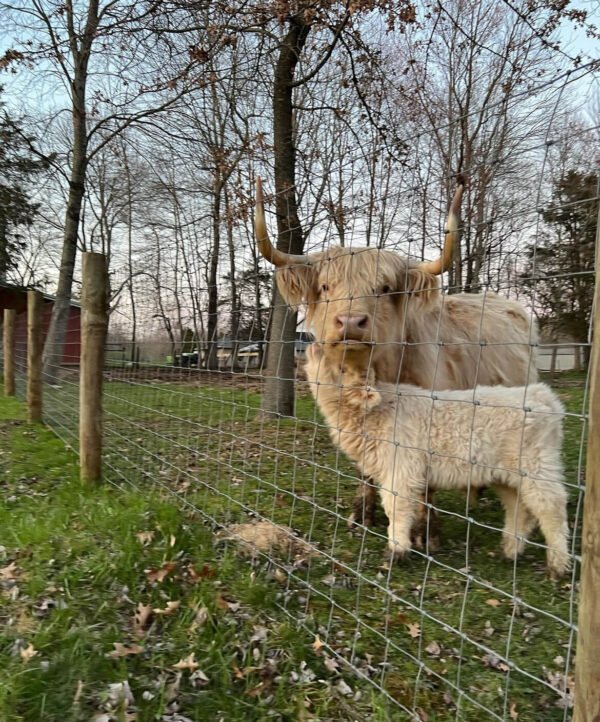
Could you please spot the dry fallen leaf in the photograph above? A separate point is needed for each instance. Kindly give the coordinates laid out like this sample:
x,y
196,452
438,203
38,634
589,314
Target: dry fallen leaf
x,y
331,665
122,650
206,572
493,602
513,711
199,679
120,695
187,663
9,572
27,653
145,537
159,575
280,576
260,633
488,629
495,662
199,619
414,630
434,649
223,603
564,686
172,689
169,609
344,688
141,619
317,644
267,675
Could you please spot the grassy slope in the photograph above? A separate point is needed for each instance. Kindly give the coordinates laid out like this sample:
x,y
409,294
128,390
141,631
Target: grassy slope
x,y
81,574
222,461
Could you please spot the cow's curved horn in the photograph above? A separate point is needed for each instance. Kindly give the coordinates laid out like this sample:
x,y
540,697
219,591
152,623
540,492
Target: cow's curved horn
x,y
444,262
272,254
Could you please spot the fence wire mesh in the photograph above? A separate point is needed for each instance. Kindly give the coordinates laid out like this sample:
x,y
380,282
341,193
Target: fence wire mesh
x,y
455,633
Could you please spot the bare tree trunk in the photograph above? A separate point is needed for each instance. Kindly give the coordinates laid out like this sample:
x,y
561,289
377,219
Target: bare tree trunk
x,y
80,54
132,353
278,394
212,361
53,348
235,300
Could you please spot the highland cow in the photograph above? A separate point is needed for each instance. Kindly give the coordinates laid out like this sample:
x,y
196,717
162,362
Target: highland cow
x,y
377,299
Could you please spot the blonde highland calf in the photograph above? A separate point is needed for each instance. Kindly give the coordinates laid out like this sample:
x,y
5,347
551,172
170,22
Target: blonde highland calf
x,y
407,439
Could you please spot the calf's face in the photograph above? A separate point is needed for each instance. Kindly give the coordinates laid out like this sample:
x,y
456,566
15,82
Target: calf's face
x,y
341,378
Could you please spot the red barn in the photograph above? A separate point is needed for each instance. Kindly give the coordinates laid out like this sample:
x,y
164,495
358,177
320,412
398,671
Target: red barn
x,y
16,297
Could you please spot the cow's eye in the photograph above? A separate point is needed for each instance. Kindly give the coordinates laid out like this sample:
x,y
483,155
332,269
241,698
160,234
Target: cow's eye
x,y
386,289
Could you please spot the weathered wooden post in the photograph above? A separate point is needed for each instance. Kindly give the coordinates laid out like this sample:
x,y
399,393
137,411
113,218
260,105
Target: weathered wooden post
x,y
35,347
587,665
94,324
9,351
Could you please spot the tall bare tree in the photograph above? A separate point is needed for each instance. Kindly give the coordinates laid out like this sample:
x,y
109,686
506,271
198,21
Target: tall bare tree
x,y
327,22
68,40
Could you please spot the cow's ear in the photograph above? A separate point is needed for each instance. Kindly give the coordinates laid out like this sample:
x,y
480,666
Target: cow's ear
x,y
422,286
296,284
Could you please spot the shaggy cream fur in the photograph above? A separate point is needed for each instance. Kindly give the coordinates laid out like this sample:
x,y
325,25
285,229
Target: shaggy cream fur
x,y
416,335
407,438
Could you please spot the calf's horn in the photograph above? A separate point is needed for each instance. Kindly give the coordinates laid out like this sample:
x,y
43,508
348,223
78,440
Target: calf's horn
x,y
444,262
272,254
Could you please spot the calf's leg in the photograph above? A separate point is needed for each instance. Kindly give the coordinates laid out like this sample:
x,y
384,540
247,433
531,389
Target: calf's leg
x,y
399,499
426,527
518,522
548,503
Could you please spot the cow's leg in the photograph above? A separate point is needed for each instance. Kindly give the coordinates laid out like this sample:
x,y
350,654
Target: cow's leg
x,y
426,524
474,494
363,506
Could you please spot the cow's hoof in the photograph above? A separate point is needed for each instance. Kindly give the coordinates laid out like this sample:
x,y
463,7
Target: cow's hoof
x,y
363,513
395,554
426,536
558,564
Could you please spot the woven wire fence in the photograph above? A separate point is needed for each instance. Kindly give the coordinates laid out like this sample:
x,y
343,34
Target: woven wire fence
x,y
453,633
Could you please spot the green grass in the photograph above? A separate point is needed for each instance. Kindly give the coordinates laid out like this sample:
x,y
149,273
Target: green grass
x,y
184,459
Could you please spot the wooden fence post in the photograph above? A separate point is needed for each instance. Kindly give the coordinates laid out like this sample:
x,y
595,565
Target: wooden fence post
x,y
94,324
9,351
587,665
35,347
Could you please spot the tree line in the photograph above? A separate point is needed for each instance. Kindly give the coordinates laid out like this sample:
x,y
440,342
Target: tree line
x,y
138,129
